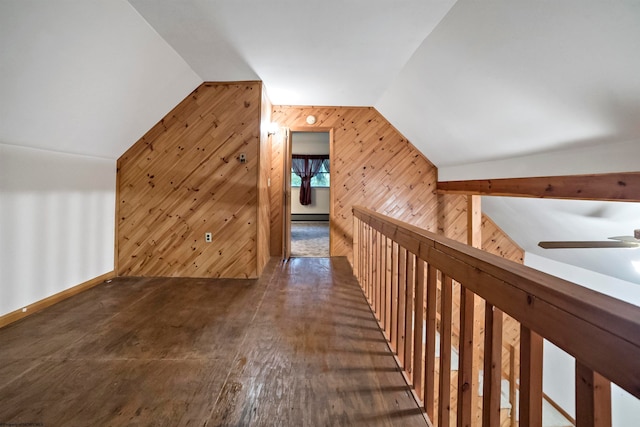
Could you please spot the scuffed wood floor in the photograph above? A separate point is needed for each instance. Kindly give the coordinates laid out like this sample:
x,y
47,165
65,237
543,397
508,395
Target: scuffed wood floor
x,y
299,347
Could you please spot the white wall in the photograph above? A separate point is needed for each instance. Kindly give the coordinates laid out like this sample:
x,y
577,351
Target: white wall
x,y
85,78
57,219
310,143
320,201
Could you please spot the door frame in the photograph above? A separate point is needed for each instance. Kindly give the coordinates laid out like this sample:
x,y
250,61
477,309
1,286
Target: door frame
x,y
286,181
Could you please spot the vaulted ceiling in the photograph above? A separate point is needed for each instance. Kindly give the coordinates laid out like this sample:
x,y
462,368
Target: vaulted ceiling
x,y
484,89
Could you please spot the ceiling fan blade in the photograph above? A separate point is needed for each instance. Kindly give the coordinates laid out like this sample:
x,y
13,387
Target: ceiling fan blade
x,y
625,239
588,244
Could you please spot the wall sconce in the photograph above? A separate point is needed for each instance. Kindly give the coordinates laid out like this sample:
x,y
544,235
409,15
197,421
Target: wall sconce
x,y
272,128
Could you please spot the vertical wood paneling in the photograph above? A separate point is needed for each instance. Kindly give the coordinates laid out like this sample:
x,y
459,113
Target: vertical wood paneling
x,y
184,178
371,165
264,175
374,166
276,193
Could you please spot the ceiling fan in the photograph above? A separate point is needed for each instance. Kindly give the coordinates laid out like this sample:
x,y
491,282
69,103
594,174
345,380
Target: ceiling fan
x,y
613,242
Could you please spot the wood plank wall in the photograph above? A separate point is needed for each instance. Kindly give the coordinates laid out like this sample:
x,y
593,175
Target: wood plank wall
x,y
276,195
184,178
264,174
374,166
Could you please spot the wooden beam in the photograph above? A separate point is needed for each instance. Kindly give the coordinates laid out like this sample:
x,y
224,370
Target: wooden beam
x,y
474,221
624,186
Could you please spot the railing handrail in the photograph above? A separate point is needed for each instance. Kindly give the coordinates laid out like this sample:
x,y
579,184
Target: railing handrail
x,y
600,331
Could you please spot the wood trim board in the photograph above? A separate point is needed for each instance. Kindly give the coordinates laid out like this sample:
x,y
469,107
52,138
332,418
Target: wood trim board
x,y
21,313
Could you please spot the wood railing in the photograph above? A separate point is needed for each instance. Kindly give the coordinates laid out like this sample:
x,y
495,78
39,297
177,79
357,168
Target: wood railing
x,y
409,276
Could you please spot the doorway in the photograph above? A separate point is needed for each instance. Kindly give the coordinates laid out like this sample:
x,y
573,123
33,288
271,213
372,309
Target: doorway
x,y
311,200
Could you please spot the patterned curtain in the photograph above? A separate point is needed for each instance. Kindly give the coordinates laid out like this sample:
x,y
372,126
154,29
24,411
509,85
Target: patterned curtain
x,y
306,167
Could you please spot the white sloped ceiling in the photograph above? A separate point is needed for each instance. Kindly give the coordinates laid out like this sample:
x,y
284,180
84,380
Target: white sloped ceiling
x,y
512,88
485,89
504,79
329,52
84,77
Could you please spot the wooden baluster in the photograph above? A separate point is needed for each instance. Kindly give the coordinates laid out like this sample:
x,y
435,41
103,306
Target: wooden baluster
x,y
371,265
402,300
393,336
531,345
356,248
492,366
388,284
474,238
513,386
374,272
370,258
593,398
418,329
466,391
430,344
408,318
444,399
365,276
363,254
381,275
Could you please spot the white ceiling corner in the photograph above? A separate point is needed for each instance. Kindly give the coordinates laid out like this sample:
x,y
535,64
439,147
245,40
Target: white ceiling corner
x,y
324,53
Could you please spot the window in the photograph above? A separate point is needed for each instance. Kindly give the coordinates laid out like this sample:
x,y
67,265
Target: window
x,y
306,167
321,179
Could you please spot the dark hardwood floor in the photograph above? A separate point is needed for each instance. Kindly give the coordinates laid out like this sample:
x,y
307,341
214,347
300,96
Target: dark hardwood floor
x,y
299,347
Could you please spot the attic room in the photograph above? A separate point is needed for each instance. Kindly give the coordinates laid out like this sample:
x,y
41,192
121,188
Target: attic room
x,y
131,129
